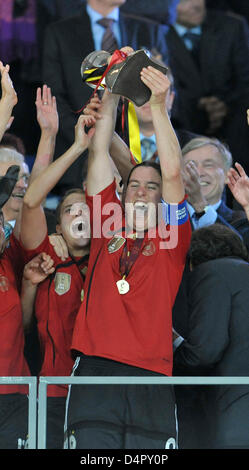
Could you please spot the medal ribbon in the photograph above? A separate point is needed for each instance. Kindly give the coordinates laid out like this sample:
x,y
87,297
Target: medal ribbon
x,y
134,134
128,258
131,132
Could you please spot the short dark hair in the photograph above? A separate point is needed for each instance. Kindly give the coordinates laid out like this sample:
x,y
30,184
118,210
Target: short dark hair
x,y
13,141
65,195
147,164
215,241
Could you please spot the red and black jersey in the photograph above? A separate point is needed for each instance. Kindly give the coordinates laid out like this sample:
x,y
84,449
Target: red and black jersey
x,y
135,328
12,360
57,303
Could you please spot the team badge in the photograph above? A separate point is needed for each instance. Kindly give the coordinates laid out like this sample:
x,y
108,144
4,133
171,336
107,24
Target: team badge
x,y
149,249
62,283
115,244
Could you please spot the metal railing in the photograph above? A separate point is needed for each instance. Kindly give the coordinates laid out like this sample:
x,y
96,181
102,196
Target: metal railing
x,y
32,408
45,381
38,424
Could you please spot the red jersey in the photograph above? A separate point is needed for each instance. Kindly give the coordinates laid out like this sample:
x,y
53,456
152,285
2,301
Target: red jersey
x,y
12,360
57,303
135,328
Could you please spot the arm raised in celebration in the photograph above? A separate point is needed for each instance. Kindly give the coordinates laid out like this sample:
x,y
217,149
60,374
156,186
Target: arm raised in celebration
x,y
34,226
168,147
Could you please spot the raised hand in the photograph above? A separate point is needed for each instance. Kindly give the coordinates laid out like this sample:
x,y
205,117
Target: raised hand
x,y
93,108
8,99
60,246
168,147
158,83
39,268
238,183
8,91
46,110
82,138
192,186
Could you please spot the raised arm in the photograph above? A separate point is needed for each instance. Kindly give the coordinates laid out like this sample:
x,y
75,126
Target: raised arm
x,y
34,227
121,155
47,118
8,99
100,171
119,151
168,147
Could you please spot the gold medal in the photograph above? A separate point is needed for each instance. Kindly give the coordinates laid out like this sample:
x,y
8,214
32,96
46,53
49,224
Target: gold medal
x,y
123,286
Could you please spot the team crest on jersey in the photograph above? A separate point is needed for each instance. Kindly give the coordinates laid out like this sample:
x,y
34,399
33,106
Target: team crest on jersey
x,y
149,249
115,244
62,283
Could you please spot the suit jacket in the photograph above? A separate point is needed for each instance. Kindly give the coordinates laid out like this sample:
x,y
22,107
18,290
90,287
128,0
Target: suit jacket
x,y
223,71
223,68
218,344
236,221
67,43
231,216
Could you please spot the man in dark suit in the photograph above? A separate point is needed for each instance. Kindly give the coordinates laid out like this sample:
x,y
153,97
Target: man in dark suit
x,y
67,43
206,163
217,343
209,58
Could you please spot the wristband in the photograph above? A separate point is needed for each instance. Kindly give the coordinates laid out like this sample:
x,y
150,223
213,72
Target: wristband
x,y
175,214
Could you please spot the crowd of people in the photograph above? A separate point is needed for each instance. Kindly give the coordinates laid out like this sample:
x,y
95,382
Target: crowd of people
x,y
139,267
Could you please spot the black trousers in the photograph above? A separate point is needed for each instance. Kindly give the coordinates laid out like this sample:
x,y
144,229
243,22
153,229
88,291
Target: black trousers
x,y
55,422
119,416
13,421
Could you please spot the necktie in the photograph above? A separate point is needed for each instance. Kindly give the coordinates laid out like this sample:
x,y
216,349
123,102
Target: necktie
x,y
7,230
109,42
195,42
193,38
148,148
